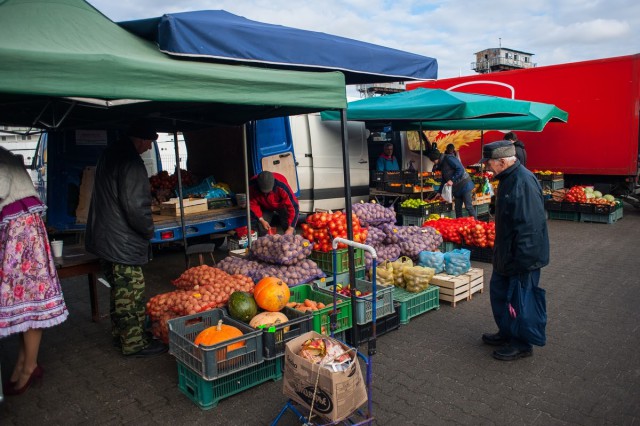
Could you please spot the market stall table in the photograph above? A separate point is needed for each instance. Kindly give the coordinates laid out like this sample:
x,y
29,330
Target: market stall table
x,y
75,261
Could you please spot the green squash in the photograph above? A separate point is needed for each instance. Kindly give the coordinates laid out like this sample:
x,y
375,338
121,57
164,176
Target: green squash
x,y
242,306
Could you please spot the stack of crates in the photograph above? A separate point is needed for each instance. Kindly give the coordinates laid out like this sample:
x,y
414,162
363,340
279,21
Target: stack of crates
x,y
208,374
324,260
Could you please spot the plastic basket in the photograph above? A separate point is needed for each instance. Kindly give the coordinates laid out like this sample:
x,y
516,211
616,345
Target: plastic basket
x,y
585,208
552,177
416,212
568,207
274,338
612,217
413,304
480,254
364,304
212,362
206,394
202,188
413,220
409,177
343,277
553,205
552,184
384,325
325,260
480,209
571,216
321,317
603,208
393,176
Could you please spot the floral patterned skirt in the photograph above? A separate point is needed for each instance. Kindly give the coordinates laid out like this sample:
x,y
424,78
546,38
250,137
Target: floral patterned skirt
x,y
30,292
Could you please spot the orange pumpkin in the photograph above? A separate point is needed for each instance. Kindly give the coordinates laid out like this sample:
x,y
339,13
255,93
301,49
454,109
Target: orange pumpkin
x,y
219,333
271,294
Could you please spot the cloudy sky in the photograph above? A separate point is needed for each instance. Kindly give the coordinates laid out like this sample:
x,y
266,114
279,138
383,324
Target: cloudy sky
x,y
451,31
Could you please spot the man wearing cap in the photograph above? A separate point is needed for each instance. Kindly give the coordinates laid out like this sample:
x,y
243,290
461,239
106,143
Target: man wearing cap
x,y
269,195
521,249
119,227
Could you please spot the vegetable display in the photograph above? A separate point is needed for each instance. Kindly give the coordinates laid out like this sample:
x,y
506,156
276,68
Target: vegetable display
x,y
218,334
163,184
415,239
373,213
281,249
465,230
300,273
271,294
242,306
417,278
322,228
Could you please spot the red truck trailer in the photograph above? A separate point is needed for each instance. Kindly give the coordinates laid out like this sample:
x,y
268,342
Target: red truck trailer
x,y
598,145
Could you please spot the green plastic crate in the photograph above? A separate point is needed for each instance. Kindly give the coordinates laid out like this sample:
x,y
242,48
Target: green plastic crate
x,y
325,260
321,318
413,304
413,220
563,215
214,361
343,277
206,394
364,305
612,217
480,209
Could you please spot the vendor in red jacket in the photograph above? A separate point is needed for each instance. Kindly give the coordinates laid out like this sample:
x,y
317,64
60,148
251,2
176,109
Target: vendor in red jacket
x,y
270,195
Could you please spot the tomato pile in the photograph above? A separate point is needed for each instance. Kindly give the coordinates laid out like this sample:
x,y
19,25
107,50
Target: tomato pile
x,y
163,184
322,228
199,289
576,195
465,230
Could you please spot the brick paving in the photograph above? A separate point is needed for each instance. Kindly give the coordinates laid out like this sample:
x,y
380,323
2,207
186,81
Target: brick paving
x,y
434,370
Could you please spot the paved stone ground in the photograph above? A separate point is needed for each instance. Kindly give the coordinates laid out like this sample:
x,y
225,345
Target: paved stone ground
x,y
434,370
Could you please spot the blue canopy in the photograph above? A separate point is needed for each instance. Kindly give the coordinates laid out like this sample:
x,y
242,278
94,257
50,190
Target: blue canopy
x,y
222,36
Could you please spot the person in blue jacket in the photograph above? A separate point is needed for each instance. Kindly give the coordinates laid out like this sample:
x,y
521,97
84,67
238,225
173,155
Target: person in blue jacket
x,y
454,175
387,162
521,249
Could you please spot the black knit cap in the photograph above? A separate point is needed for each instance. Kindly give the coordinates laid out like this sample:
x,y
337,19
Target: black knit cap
x,y
142,130
434,154
265,181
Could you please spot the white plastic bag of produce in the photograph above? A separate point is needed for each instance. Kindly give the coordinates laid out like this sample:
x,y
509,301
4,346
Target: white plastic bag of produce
x,y
447,193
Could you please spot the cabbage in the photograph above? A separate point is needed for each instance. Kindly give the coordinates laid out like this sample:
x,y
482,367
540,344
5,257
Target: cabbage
x,y
597,194
609,197
590,195
588,189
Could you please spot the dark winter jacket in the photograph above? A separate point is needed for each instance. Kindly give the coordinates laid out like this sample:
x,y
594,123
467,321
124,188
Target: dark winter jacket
x,y
453,170
521,153
522,240
119,225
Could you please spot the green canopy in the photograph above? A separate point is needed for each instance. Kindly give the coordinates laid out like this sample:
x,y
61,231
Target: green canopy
x,y
53,52
539,115
429,104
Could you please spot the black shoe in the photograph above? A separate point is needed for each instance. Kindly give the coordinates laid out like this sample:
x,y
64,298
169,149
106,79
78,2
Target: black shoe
x,y
510,353
494,339
155,348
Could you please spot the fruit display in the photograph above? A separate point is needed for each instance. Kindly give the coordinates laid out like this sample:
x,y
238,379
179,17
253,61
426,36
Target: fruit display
x,y
163,184
576,194
345,290
586,194
322,228
281,249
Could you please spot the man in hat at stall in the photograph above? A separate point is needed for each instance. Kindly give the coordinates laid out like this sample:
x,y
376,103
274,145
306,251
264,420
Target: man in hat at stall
x,y
119,228
271,199
520,250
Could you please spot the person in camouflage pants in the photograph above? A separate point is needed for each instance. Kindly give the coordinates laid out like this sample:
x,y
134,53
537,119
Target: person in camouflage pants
x,y
127,307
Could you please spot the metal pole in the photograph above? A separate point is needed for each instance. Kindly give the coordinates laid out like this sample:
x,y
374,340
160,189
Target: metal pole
x,y
182,224
347,200
245,154
421,183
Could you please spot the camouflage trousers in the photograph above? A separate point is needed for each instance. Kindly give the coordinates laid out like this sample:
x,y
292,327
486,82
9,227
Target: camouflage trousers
x,y
127,307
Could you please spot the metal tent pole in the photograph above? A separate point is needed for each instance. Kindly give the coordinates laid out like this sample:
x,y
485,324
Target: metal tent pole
x,y
245,154
177,170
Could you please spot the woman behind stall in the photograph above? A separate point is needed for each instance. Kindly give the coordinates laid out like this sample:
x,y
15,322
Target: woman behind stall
x,y
30,294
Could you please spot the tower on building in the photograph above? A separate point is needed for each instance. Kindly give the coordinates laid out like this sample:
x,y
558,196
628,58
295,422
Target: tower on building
x,y
501,59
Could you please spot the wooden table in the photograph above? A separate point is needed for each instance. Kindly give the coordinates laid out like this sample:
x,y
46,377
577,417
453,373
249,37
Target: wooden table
x,y
75,261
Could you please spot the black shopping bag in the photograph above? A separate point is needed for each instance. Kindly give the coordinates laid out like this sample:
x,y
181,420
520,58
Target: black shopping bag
x,y
528,312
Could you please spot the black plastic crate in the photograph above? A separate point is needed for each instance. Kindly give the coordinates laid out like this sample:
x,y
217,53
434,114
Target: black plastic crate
x,y
384,325
376,176
480,254
569,207
553,205
394,176
409,177
275,337
585,208
423,210
603,208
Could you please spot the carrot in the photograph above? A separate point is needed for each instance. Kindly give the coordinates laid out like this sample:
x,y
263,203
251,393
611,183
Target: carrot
x,y
321,305
292,304
309,303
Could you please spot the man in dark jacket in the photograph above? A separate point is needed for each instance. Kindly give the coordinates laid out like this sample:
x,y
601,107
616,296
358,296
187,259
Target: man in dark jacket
x,y
521,153
521,247
454,175
119,228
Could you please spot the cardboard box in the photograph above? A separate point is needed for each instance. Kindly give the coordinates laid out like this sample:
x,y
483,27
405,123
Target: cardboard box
x,y
338,394
191,205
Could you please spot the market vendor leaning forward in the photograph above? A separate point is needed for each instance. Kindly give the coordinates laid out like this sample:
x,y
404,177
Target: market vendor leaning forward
x,y
272,202
521,250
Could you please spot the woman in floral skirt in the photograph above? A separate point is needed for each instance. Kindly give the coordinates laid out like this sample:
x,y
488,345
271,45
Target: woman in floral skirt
x,y
30,294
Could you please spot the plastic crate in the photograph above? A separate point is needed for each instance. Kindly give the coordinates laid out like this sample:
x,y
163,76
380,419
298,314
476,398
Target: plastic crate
x,y
552,184
376,176
213,362
568,207
571,216
448,246
603,208
409,177
553,205
552,177
274,338
325,260
413,304
207,394
585,208
343,277
364,304
413,220
423,210
321,317
384,325
480,209
602,218
202,188
480,254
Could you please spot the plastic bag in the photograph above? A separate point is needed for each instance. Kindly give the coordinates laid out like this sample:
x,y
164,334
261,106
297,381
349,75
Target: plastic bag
x,y
384,273
417,278
457,262
432,259
398,270
447,193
